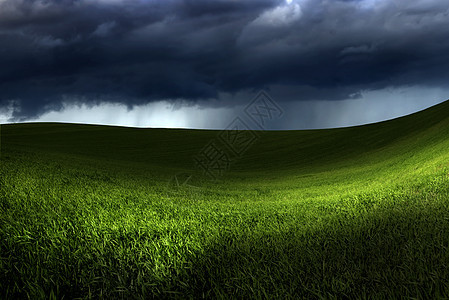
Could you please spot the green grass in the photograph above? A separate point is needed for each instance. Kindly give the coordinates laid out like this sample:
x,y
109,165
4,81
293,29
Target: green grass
x,y
362,212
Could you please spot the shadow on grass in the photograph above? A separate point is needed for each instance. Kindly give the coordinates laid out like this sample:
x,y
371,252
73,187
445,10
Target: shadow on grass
x,y
390,253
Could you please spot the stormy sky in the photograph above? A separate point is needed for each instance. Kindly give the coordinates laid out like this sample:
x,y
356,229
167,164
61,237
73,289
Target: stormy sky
x,y
198,63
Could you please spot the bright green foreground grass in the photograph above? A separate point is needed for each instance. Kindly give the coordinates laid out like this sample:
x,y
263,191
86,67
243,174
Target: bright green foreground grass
x,y
86,211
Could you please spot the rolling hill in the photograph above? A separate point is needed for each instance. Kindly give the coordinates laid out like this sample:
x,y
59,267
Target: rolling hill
x,y
99,211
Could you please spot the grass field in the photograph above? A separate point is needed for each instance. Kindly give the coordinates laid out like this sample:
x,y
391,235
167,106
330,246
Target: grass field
x,y
361,212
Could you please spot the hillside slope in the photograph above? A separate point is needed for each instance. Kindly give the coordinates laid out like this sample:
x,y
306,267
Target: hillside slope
x,y
273,150
99,211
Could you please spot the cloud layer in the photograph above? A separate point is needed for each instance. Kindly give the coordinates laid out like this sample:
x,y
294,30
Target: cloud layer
x,y
141,51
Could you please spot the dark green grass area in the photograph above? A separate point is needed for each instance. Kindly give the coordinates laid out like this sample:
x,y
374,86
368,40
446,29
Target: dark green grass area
x,y
362,212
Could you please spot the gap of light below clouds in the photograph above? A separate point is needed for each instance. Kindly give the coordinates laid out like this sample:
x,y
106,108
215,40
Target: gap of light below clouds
x,y
160,114
374,106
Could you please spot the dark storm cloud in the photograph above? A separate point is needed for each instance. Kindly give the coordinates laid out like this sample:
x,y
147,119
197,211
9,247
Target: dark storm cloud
x,y
140,51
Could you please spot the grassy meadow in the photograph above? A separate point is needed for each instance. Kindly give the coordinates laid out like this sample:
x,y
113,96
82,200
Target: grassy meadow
x,y
92,212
